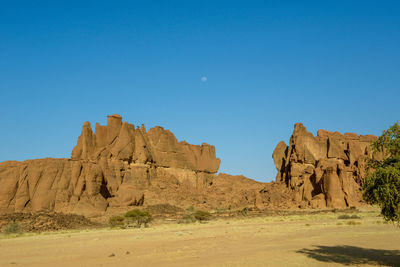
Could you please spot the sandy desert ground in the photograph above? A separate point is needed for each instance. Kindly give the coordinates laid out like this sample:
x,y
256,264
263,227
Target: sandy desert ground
x,y
306,240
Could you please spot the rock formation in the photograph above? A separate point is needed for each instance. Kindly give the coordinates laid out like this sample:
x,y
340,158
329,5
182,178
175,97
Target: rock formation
x,y
324,171
116,166
119,166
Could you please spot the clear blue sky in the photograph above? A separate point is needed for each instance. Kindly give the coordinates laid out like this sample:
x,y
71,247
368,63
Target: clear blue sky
x,y
269,64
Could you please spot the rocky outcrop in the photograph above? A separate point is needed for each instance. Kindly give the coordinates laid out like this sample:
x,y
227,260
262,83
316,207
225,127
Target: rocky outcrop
x,y
118,166
157,147
114,167
324,171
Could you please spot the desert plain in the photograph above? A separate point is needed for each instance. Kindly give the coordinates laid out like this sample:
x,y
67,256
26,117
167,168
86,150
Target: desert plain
x,y
313,239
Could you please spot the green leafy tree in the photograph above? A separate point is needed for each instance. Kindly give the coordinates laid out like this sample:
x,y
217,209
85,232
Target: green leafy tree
x,y
138,217
382,185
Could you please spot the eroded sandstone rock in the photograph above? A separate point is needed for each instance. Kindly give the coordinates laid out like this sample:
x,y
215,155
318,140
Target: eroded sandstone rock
x,y
119,166
326,170
114,167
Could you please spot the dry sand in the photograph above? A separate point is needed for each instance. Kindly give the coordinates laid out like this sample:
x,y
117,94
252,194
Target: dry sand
x,y
308,240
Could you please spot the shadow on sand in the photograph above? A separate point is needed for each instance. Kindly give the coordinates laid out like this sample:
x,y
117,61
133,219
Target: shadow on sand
x,y
349,255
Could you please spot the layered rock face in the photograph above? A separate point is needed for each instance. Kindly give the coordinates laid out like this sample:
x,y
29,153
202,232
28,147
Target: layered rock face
x,y
324,171
114,167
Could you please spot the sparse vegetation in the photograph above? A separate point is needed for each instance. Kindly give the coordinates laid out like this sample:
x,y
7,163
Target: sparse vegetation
x,y
202,215
138,218
353,223
244,211
348,217
189,238
12,228
116,221
220,210
188,216
190,209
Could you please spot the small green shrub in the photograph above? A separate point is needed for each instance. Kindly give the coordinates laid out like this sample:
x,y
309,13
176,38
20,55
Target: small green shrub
x,y
187,218
220,210
138,217
348,217
353,223
244,211
202,215
12,228
190,216
190,209
116,221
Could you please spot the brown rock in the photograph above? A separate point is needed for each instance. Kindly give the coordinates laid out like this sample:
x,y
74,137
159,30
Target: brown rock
x,y
279,156
119,166
326,170
333,190
86,144
115,167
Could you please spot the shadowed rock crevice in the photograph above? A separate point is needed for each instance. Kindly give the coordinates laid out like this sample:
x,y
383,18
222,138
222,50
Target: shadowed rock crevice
x,y
104,190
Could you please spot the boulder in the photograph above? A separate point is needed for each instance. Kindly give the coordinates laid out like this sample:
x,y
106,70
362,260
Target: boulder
x,y
279,156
